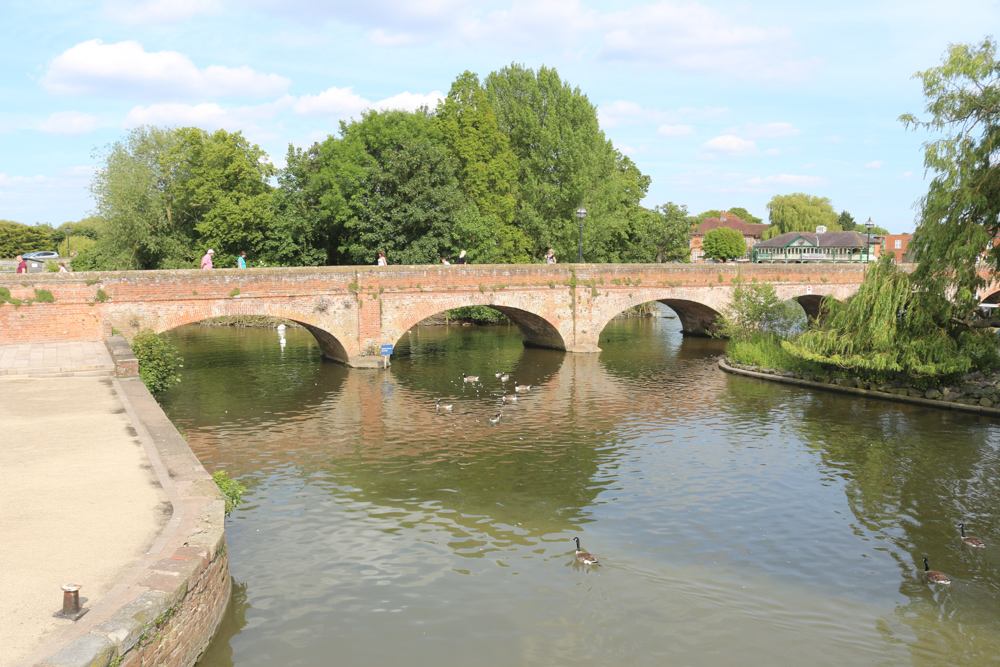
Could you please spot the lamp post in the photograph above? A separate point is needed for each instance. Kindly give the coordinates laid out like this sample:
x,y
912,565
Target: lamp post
x,y
581,213
868,247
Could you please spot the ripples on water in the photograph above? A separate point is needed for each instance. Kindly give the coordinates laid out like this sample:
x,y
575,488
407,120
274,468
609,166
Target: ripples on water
x,y
738,522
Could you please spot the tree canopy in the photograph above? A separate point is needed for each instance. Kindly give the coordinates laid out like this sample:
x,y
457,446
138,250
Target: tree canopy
x,y
799,212
959,217
724,243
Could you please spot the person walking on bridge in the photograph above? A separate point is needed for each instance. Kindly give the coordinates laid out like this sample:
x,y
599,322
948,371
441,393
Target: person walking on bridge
x,y
206,261
241,261
22,266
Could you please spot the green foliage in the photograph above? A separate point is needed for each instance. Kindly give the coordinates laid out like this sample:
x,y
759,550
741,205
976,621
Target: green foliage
x,y
230,488
724,243
659,235
765,351
959,217
887,328
159,361
754,310
745,215
487,170
163,192
476,314
17,239
101,295
799,212
43,296
564,161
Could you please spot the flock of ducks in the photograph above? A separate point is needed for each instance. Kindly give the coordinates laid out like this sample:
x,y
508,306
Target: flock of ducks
x,y
935,577
505,398
582,556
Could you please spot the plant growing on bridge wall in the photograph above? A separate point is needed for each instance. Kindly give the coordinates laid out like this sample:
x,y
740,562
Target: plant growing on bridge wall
x,y
159,361
101,295
230,488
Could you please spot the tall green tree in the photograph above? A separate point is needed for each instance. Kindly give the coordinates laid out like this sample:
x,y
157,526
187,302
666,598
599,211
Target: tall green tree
x,y
661,234
564,162
487,171
131,189
17,239
738,211
799,212
724,243
959,217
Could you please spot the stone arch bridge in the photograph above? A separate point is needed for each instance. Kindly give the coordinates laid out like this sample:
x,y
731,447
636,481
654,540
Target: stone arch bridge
x,y
352,311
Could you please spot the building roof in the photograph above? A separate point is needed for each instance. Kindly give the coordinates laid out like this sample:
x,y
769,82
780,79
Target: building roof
x,y
824,240
732,221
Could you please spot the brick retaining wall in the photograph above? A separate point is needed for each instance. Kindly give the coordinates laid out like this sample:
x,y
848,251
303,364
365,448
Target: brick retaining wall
x,y
169,606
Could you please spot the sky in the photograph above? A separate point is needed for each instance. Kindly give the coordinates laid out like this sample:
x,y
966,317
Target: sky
x,y
721,104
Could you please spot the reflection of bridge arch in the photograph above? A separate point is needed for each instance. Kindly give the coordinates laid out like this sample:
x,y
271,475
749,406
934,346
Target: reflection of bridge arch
x,y
123,320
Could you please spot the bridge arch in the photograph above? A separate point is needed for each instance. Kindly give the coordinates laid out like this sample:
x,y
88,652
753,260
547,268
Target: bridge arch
x,y
697,319
536,330
134,318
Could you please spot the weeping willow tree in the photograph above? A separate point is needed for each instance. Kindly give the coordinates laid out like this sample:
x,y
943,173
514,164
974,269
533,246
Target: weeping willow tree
x,y
888,328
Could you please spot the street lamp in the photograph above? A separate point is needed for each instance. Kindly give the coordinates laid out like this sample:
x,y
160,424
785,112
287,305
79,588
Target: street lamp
x,y
868,247
581,213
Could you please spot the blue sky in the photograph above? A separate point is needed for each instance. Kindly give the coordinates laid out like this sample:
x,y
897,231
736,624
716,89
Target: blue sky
x,y
722,104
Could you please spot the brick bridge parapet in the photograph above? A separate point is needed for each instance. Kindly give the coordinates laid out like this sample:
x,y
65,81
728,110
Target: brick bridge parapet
x,y
352,311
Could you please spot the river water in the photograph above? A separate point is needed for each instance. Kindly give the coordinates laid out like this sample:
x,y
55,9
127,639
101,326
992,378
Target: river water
x,y
738,522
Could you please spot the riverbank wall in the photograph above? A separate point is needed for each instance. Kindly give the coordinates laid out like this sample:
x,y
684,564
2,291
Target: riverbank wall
x,y
977,393
168,606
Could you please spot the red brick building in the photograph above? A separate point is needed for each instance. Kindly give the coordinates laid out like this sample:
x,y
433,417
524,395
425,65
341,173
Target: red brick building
x,y
896,245
751,232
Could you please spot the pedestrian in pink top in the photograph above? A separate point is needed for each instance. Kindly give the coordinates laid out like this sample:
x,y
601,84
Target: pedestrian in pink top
x,y
206,261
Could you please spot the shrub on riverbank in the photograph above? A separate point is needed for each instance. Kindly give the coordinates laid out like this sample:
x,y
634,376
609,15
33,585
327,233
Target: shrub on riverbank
x,y
230,488
476,315
159,361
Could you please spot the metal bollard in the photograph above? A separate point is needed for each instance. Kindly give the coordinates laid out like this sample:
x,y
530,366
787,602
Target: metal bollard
x,y
71,602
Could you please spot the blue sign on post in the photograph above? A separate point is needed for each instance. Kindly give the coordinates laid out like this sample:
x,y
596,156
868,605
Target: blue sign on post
x,y
386,349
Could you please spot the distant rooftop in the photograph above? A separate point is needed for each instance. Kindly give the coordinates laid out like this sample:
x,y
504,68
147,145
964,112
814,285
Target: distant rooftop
x,y
731,221
824,240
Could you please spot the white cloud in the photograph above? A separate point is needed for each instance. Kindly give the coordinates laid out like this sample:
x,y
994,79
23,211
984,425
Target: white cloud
x,y
158,11
69,122
344,103
811,165
19,180
211,116
623,112
729,145
770,130
331,102
410,101
788,179
125,68
874,164
675,130
907,174
688,36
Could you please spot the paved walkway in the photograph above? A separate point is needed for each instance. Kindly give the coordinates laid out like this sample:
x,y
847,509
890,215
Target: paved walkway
x,y
79,501
53,359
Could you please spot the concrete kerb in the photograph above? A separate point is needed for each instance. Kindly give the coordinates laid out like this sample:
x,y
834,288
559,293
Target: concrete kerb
x,y
865,393
153,589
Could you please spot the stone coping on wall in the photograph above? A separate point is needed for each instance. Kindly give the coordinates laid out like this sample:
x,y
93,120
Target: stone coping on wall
x,y
855,391
167,607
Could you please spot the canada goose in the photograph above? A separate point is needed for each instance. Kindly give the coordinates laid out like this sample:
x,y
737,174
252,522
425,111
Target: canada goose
x,y
470,378
512,398
583,556
447,406
504,377
522,388
933,576
497,418
974,542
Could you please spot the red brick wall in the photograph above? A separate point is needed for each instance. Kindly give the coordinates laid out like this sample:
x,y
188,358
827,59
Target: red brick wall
x,y
363,307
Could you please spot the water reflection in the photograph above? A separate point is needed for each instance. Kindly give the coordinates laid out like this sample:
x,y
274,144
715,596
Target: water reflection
x,y
738,521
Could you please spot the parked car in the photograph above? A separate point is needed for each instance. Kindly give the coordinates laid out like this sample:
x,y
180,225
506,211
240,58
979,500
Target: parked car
x,y
41,255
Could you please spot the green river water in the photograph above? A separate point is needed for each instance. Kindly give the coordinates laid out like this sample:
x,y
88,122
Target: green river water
x,y
738,522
